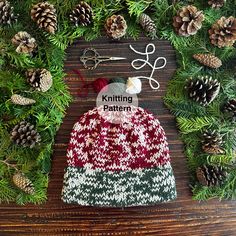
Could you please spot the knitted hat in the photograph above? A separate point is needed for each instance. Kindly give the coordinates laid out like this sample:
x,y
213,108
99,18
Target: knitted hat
x,y
118,165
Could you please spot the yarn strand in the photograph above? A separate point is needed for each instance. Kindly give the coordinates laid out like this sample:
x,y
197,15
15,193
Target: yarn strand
x,y
150,49
83,92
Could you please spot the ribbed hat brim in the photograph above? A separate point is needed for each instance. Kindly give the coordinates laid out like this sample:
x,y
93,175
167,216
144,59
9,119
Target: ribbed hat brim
x,y
138,187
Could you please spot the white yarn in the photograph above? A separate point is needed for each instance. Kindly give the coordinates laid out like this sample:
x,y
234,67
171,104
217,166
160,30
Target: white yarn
x,y
133,86
146,62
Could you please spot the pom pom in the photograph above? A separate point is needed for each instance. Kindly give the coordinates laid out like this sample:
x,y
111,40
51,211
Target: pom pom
x,y
118,89
119,86
133,86
99,84
117,80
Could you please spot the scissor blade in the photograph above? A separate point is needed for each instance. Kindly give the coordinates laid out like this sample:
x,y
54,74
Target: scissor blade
x,y
117,58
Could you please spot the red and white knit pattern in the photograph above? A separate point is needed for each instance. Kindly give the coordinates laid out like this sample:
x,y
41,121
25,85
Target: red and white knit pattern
x,y
103,145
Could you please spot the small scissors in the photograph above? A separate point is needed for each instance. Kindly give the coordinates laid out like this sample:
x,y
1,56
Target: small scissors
x,y
91,58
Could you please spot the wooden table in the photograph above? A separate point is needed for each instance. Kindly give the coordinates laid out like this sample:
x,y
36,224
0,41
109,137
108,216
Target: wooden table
x,y
181,217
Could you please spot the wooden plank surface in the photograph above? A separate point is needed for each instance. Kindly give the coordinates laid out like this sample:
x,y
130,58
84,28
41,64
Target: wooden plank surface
x,y
180,217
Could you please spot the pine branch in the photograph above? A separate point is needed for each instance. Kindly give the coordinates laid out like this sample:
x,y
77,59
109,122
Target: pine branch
x,y
20,117
7,193
219,159
19,60
194,124
133,29
60,40
184,108
137,7
9,165
44,158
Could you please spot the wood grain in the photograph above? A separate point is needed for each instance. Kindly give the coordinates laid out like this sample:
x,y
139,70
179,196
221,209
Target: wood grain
x,y
183,216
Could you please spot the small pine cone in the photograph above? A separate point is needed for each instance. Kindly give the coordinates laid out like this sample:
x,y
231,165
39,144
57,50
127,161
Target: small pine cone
x,y
148,24
7,16
24,134
82,14
44,14
203,89
20,100
39,79
24,42
230,107
212,142
208,175
24,183
216,3
223,32
188,21
208,59
116,26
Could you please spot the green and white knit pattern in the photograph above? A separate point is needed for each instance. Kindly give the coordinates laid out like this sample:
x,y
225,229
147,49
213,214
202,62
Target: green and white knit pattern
x,y
95,187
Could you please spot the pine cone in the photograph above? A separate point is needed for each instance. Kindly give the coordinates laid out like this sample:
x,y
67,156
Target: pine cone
x,y
24,134
216,3
208,59
188,21
148,24
203,89
7,16
212,142
116,26
209,175
82,14
20,100
40,79
23,183
230,107
223,32
44,14
24,42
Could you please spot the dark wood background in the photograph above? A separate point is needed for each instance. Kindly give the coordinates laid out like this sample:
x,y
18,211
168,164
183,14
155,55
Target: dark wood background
x,y
181,217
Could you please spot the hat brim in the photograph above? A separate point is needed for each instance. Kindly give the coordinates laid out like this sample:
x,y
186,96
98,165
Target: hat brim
x,y
140,187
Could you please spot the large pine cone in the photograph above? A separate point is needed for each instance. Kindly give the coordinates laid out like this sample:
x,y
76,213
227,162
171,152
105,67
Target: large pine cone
x,y
148,24
203,89
44,14
39,79
116,26
209,175
24,183
7,16
216,3
212,142
24,134
223,32
25,43
188,21
20,100
82,14
208,59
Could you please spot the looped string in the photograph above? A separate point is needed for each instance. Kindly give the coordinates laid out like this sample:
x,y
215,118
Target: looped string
x,y
150,49
85,86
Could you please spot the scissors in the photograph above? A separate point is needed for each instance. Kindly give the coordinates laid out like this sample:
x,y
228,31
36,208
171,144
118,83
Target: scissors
x,y
91,58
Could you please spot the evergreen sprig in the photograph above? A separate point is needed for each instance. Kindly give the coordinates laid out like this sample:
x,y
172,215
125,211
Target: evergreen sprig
x,y
194,124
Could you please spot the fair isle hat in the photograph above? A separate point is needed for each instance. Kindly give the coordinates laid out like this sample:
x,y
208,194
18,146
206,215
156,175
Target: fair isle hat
x,y
118,165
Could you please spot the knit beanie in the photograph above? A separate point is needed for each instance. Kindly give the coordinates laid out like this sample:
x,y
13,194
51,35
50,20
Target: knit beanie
x,y
118,164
